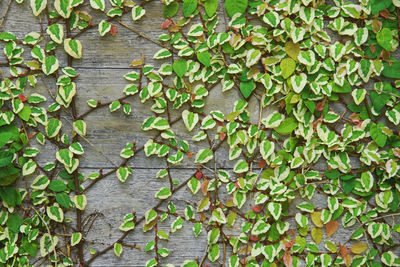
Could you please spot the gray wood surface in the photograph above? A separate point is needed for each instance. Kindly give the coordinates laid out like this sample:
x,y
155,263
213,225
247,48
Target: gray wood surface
x,y
105,60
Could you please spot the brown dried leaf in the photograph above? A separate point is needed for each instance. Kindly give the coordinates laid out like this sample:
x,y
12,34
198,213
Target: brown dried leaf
x,y
331,227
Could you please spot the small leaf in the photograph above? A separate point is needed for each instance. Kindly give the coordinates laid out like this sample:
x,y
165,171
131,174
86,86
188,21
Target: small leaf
x,y
359,248
288,66
180,67
75,239
331,227
317,234
117,249
73,47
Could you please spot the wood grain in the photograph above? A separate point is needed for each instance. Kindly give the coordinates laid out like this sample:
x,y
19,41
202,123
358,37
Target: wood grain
x,y
105,61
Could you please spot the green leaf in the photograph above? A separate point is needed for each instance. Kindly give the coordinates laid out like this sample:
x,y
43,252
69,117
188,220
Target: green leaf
x,y
25,113
50,65
189,263
384,38
189,6
57,186
211,7
204,156
80,202
235,6
287,126
190,119
391,70
104,27
55,213
163,193
10,195
379,5
6,157
137,12
80,127
204,57
346,88
53,127
171,9
14,221
63,199
38,6
73,47
288,66
377,134
7,36
117,249
247,87
98,4
56,32
180,67
75,239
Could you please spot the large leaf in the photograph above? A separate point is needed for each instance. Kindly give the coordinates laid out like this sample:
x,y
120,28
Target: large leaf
x,y
391,70
384,38
189,6
247,87
235,6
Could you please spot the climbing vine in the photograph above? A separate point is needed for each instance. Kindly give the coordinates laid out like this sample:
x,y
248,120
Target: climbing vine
x,y
316,115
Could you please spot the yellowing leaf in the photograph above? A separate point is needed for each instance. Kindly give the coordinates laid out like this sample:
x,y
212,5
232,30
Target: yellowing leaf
x,y
359,248
317,235
292,49
288,66
316,219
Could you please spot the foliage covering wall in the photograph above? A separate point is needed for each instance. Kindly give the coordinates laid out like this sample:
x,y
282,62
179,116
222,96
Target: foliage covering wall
x,y
327,72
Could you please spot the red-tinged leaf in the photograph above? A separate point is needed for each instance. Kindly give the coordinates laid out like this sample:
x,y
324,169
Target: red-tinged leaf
x,y
220,123
384,13
31,135
343,250
22,97
237,185
254,238
385,55
287,259
355,117
204,186
331,227
190,154
372,48
166,24
262,163
137,62
222,136
396,152
320,106
198,175
113,30
256,209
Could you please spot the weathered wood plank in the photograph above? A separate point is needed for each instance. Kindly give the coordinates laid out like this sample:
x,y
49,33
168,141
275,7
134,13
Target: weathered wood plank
x,y
114,199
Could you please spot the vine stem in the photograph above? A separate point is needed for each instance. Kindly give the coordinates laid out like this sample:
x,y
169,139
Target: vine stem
x,y
5,13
